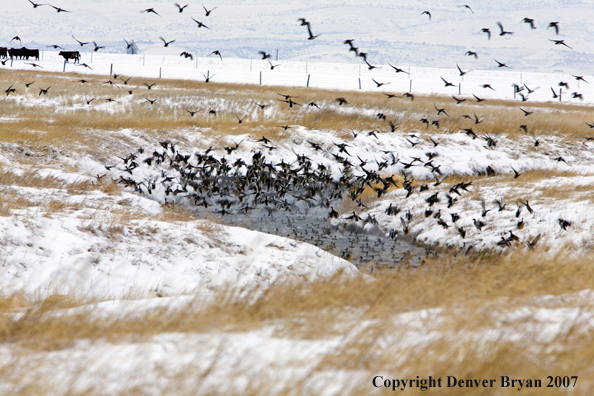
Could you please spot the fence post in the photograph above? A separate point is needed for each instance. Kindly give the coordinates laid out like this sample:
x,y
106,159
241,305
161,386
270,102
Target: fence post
x,y
260,78
308,79
250,64
111,70
560,93
410,87
159,72
64,70
459,89
359,83
277,54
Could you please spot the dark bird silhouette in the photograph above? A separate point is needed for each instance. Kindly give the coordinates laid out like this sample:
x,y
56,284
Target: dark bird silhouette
x,y
240,120
501,64
476,119
129,44
341,101
16,38
54,46
264,55
576,95
503,31
524,128
555,96
554,25
149,86
10,90
200,24
311,35
35,5
207,12
564,224
29,84
58,9
440,111
447,83
44,91
478,99
426,13
272,66
488,31
34,65
471,53
369,66
529,21
187,55
180,8
149,10
526,113
409,95
397,70
458,101
216,52
516,173
379,84
531,244
462,73
81,42
467,7
165,42
207,77
151,101
191,112
580,78
563,84
487,86
97,47
560,42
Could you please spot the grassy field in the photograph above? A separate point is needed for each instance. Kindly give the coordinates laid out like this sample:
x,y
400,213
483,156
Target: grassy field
x,y
474,313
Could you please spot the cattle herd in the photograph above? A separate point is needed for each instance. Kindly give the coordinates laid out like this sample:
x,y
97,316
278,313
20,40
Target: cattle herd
x,y
19,53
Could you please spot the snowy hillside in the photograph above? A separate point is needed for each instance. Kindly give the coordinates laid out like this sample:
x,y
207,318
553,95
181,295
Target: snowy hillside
x,y
387,32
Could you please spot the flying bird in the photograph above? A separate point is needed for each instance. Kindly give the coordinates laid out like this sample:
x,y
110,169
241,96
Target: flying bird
x,y
216,52
272,66
462,73
17,38
35,5
165,42
397,70
200,24
264,55
426,12
97,47
149,10
311,35
54,46
466,6
471,53
488,31
187,55
58,9
379,84
554,25
447,83
500,64
503,31
81,42
560,42
180,8
208,11
530,22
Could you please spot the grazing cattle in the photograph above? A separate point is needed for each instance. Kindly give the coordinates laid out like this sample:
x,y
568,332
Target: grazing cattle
x,y
70,55
3,52
30,53
15,53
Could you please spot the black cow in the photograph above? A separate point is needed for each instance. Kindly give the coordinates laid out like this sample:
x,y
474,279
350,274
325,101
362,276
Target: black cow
x,y
30,53
3,52
70,55
15,53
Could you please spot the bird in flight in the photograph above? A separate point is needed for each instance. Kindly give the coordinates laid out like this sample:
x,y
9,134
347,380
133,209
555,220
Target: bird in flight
x,y
97,47
379,84
54,46
17,38
216,52
488,31
180,8
500,64
200,24
503,31
58,9
426,12
580,78
208,11
149,10
529,21
264,55
165,42
554,25
187,55
272,66
462,73
311,35
466,6
397,70
35,5
129,44
447,83
560,42
81,42
471,53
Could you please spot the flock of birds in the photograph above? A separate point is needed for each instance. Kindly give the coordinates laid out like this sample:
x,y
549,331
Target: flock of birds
x,y
301,196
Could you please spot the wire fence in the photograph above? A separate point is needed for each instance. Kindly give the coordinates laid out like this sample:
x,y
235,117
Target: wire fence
x,y
483,84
